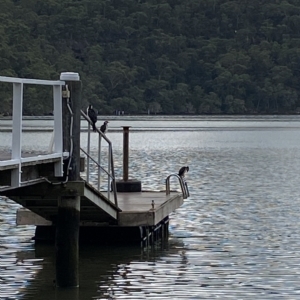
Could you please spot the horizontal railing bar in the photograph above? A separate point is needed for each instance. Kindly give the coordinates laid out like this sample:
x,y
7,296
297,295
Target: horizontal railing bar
x,y
41,157
11,162
31,81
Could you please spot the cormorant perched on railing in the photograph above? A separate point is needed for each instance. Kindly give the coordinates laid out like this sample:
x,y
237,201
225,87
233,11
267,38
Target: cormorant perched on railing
x,y
103,127
183,171
92,115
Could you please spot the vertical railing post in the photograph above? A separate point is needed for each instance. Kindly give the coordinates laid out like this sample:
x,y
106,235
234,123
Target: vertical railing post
x,y
58,134
109,170
17,132
114,186
99,161
89,153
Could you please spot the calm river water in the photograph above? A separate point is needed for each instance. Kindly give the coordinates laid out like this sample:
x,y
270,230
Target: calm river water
x,y
236,237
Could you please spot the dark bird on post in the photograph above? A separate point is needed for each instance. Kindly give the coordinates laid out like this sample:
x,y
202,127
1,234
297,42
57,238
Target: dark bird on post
x,y
183,171
92,115
103,127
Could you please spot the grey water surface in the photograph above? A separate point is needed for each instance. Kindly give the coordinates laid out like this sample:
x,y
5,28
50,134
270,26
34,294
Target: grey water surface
x,y
236,237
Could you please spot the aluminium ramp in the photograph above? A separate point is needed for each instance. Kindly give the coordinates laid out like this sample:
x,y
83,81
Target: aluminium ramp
x,y
42,199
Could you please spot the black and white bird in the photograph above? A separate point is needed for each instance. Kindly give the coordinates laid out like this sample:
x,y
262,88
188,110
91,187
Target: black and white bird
x,y
183,171
103,127
92,115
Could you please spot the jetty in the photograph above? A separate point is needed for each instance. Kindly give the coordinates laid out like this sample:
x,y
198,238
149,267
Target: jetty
x,y
58,195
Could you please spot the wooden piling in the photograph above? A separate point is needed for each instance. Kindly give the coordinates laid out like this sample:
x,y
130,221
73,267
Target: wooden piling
x,y
68,215
67,235
71,135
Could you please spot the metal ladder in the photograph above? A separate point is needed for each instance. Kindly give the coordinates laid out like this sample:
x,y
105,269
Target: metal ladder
x,y
183,185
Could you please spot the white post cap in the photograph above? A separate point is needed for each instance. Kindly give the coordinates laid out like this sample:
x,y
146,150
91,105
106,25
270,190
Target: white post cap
x,y
69,76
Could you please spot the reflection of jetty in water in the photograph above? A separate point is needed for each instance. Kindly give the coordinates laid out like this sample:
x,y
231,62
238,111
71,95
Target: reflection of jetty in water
x,y
104,270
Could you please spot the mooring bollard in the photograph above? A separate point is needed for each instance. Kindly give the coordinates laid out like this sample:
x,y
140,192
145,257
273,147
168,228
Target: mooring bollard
x,y
126,184
125,152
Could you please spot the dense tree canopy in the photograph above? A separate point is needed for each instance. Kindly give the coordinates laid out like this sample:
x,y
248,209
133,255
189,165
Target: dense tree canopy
x,y
162,56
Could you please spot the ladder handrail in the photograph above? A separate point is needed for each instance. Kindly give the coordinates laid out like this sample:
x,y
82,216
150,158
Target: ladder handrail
x,y
183,185
111,172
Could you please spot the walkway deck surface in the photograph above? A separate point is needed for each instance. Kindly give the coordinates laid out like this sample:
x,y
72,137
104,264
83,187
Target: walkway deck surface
x,y
137,210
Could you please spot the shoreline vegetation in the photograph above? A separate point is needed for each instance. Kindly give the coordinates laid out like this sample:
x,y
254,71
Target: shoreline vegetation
x,y
162,116
165,123
163,57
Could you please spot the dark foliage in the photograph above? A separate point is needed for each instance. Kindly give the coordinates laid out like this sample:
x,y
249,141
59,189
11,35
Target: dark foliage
x,y
168,56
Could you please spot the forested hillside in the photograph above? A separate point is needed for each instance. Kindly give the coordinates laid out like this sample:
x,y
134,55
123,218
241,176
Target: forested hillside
x,y
166,56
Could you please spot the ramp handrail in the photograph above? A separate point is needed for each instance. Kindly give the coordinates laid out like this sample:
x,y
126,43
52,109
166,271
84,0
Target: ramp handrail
x,y
183,185
110,172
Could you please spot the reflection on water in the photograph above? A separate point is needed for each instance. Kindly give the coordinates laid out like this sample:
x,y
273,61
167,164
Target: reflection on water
x,y
236,237
18,264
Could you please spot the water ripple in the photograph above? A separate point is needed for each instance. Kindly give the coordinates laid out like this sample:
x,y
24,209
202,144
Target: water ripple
x,y
236,237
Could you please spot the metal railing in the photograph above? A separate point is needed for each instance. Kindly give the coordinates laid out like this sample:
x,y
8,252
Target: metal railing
x,y
16,160
183,186
110,172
